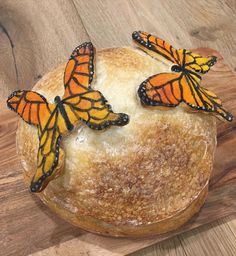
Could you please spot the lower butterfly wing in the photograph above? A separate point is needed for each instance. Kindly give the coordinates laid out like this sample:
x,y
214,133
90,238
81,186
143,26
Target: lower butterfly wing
x,y
196,63
34,109
49,153
153,45
200,98
92,108
209,96
79,70
29,105
161,90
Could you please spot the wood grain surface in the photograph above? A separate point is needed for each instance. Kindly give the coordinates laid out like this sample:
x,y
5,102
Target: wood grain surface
x,y
35,36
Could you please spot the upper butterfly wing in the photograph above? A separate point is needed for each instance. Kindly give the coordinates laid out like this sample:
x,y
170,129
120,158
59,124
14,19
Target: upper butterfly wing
x,y
153,45
49,153
29,105
79,70
92,108
161,90
197,63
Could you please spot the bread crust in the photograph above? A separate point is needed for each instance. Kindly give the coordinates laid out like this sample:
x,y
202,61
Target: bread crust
x,y
146,178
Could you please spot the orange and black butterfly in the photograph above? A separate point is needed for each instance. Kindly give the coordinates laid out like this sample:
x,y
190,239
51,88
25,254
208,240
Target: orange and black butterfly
x,y
183,83
79,102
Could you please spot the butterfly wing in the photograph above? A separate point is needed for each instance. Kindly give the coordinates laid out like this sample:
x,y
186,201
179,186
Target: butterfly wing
x,y
79,70
197,63
153,45
34,109
161,90
80,101
92,108
169,89
191,61
200,98
29,105
49,153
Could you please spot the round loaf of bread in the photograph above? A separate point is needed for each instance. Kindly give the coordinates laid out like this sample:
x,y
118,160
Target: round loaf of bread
x,y
148,177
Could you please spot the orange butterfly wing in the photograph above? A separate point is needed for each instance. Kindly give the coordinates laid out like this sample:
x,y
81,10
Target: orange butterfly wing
x,y
29,105
189,60
92,108
200,98
153,45
197,63
79,70
49,152
161,90
169,89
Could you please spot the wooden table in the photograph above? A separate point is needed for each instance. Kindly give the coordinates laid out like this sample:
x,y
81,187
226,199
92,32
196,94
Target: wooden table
x,y
36,35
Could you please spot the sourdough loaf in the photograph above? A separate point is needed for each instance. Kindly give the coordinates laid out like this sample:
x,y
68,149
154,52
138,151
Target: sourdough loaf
x,y
148,177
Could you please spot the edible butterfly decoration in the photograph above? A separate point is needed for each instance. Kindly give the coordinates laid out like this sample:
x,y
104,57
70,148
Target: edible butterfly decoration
x,y
79,102
183,83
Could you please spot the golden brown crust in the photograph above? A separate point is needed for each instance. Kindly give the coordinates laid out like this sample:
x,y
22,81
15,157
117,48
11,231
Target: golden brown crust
x,y
148,177
95,225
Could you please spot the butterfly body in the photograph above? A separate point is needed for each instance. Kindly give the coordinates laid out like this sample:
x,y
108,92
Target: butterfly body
x,y
63,113
79,103
177,68
182,84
